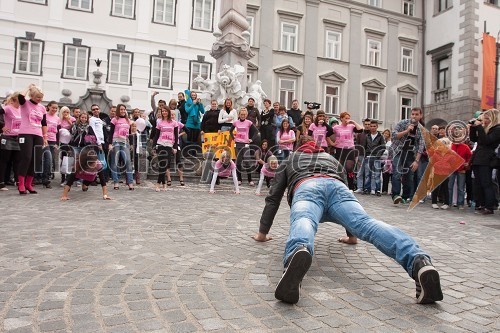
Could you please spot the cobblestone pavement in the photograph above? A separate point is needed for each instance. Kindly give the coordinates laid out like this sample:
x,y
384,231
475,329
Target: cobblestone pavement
x,y
183,261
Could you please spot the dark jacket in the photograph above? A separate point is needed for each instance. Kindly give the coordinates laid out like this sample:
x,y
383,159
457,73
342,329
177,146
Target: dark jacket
x,y
486,144
181,106
210,121
298,166
374,147
254,115
296,116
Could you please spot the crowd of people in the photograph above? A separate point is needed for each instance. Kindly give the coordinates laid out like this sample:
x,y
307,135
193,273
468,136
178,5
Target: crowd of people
x,y
39,140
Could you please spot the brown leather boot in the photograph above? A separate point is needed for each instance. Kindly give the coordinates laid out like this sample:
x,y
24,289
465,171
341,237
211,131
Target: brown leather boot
x,y
137,178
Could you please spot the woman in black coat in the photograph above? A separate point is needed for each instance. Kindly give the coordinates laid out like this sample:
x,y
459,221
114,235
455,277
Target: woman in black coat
x,y
486,132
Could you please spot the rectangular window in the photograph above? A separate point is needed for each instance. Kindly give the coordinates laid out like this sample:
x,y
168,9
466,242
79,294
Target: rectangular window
x,y
443,66
287,92
164,11
120,67
41,2
161,73
124,8
406,60
199,69
409,7
85,5
332,100
372,105
373,55
376,3
203,14
443,4
289,37
29,57
406,105
250,21
75,62
333,44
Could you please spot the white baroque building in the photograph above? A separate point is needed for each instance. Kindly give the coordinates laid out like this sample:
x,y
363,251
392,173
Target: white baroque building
x,y
373,58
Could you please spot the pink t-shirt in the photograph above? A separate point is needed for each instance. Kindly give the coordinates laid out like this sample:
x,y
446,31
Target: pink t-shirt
x,y
12,120
66,124
344,136
122,128
267,171
286,136
52,123
31,118
224,171
243,130
319,134
166,129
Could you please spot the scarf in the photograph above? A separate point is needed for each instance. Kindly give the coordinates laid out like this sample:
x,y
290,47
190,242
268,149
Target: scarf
x,y
138,146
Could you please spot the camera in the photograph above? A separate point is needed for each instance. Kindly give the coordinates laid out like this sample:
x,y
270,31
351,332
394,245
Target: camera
x,y
312,105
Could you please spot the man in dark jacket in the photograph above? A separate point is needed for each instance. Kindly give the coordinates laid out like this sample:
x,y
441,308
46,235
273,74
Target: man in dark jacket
x,y
374,148
317,193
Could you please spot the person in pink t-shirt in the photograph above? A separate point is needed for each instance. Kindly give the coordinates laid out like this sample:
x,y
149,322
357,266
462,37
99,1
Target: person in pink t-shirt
x,y
321,131
32,137
50,151
66,124
245,131
224,168
118,145
165,143
267,173
9,147
285,139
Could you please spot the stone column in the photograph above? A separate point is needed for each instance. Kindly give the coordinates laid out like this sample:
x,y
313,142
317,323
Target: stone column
x,y
231,47
310,92
354,93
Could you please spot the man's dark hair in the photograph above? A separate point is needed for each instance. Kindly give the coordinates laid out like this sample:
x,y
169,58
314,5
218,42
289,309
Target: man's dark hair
x,y
442,127
374,122
367,120
251,98
417,109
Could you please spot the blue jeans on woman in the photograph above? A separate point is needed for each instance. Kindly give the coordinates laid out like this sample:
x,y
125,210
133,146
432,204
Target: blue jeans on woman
x,y
460,177
326,199
123,149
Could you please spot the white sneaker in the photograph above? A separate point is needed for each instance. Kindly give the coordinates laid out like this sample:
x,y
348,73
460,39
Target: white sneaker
x,y
435,206
372,192
358,191
445,207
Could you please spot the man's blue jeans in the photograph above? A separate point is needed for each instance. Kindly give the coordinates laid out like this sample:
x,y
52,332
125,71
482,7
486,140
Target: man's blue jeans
x,y
122,149
373,171
402,174
460,177
325,199
360,175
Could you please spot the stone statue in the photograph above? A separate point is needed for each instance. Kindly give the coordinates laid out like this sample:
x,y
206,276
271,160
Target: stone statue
x,y
228,85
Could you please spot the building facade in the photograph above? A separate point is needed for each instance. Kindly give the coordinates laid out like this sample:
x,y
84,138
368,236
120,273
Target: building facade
x,y
454,57
143,45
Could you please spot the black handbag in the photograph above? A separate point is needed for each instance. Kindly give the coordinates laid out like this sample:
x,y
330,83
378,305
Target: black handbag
x,y
9,142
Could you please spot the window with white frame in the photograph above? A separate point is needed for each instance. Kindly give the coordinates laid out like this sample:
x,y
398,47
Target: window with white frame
x,y
289,37
29,56
199,69
164,11
409,7
443,5
123,8
75,62
120,67
203,14
376,3
406,60
287,91
333,44
332,99
373,54
406,105
161,72
442,73
250,20
85,5
372,105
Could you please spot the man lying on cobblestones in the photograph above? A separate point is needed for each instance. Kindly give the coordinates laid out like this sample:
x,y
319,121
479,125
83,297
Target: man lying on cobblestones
x,y
317,193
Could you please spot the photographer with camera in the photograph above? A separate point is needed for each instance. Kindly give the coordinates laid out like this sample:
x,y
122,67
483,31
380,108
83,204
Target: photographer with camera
x,y
406,148
485,131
